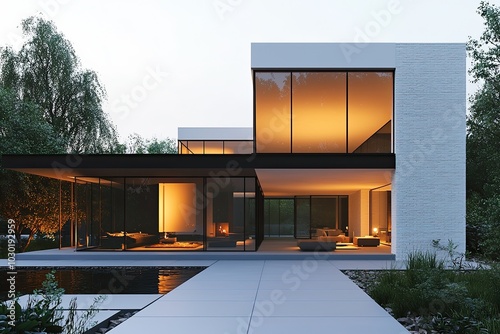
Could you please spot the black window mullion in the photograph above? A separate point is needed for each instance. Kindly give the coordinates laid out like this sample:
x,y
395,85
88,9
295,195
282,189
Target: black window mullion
x,y
291,112
347,112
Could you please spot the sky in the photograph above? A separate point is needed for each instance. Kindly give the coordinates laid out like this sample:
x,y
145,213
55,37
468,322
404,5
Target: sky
x,y
186,63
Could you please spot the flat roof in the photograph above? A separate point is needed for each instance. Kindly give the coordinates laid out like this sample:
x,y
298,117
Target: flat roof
x,y
66,166
331,55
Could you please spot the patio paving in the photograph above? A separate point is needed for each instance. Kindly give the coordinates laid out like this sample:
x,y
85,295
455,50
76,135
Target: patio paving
x,y
251,296
262,297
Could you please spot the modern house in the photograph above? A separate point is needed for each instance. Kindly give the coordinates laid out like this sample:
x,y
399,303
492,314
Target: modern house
x,y
363,139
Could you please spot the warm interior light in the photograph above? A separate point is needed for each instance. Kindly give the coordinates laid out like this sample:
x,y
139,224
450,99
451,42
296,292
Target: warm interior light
x,y
174,212
319,103
273,116
370,105
375,231
222,229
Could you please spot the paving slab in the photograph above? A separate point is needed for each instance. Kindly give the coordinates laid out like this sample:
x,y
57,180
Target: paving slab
x,y
294,296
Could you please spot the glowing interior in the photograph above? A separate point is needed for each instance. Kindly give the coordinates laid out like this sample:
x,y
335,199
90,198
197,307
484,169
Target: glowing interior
x,y
175,214
370,105
273,119
323,112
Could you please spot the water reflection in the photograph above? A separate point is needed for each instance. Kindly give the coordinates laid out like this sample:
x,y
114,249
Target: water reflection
x,y
97,280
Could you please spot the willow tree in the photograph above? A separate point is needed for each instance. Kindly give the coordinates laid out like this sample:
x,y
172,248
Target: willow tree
x,y
30,200
47,73
48,105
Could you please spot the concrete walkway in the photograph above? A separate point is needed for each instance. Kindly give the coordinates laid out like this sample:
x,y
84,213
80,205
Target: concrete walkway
x,y
248,296
259,297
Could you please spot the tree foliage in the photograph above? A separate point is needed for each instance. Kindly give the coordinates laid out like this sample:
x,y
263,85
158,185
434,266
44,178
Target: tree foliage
x,y
483,137
48,105
139,145
29,200
46,72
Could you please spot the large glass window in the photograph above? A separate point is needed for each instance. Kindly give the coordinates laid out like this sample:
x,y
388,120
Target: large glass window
x,y
141,207
370,111
273,118
112,206
324,112
318,112
82,213
168,214
215,147
279,217
230,214
180,213
303,217
324,212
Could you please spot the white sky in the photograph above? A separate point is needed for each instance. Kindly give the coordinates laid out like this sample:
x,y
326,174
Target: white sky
x,y
200,49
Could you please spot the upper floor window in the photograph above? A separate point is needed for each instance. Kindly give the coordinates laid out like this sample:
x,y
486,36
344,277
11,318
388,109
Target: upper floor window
x,y
215,146
323,112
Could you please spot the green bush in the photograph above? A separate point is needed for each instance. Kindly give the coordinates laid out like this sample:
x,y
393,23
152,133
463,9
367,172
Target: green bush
x,y
446,301
43,312
423,260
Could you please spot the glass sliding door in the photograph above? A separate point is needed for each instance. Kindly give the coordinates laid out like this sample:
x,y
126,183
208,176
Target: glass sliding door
x,y
324,212
279,217
286,220
329,212
302,217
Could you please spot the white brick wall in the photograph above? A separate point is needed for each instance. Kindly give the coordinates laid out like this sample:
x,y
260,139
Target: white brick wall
x,y
429,183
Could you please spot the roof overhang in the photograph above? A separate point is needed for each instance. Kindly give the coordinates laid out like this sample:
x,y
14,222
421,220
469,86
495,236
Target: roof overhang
x,y
296,182
66,167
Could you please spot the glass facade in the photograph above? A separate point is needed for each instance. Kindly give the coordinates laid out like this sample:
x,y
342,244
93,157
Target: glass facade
x,y
215,146
301,216
323,112
279,217
318,107
273,117
156,214
370,101
295,112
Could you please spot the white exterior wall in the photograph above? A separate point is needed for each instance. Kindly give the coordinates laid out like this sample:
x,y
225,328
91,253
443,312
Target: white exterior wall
x,y
428,189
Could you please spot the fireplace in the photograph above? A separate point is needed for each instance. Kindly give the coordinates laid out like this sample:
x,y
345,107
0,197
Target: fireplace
x,y
221,229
